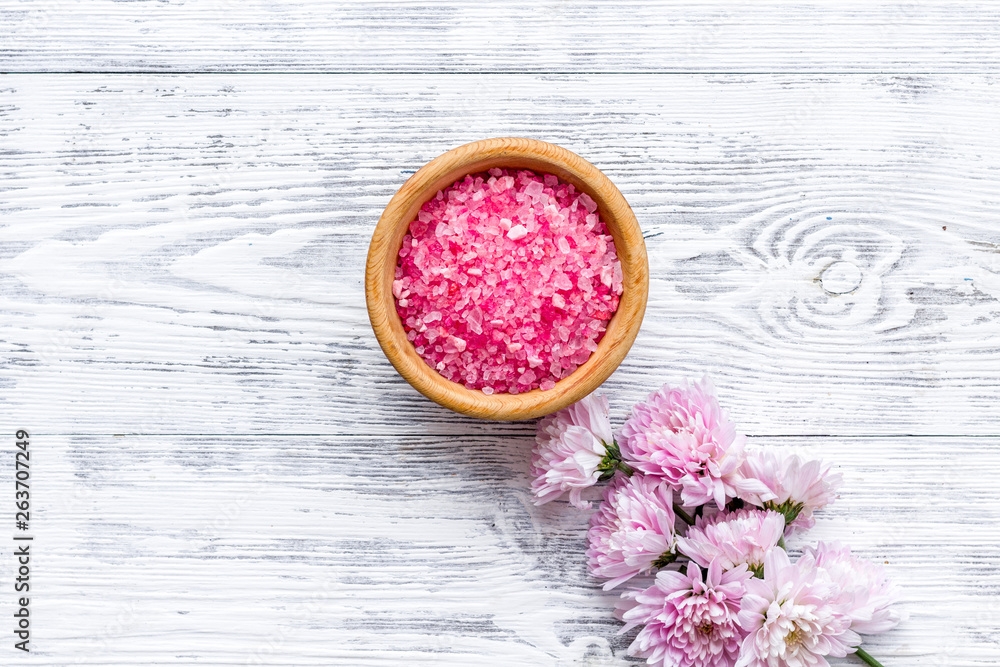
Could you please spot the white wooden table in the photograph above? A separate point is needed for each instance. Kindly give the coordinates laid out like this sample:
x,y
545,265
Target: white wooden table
x,y
226,470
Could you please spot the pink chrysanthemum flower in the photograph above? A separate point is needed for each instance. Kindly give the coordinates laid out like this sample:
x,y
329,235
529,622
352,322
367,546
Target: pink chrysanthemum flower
x,y
865,588
733,538
689,622
633,531
793,617
797,488
682,435
570,447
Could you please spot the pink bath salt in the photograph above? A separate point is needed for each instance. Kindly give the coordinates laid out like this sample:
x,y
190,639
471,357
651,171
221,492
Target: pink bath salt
x,y
506,281
517,232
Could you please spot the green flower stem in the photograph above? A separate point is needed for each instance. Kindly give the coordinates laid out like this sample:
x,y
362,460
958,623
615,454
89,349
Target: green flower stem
x,y
781,543
665,559
867,658
612,462
685,517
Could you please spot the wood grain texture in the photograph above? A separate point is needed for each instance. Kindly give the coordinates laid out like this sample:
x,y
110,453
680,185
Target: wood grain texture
x,y
450,167
184,254
181,257
315,550
908,36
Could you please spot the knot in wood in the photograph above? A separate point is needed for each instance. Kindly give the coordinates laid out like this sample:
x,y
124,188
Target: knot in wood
x,y
840,278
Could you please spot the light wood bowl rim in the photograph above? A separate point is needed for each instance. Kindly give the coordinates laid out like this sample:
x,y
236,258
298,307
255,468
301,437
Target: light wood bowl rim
x,y
444,170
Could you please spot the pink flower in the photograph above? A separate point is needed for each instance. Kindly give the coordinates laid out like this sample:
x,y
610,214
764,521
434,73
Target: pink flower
x,y
689,622
570,447
865,588
793,617
733,538
682,435
797,488
632,530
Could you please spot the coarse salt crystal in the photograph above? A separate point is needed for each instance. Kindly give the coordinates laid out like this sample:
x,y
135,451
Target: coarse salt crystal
x,y
517,232
454,344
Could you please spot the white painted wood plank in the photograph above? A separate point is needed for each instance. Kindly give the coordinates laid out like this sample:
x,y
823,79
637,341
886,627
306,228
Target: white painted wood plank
x,y
185,254
315,550
472,36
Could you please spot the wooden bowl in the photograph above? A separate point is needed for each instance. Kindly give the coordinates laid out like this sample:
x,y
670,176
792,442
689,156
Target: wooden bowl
x,y
441,172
